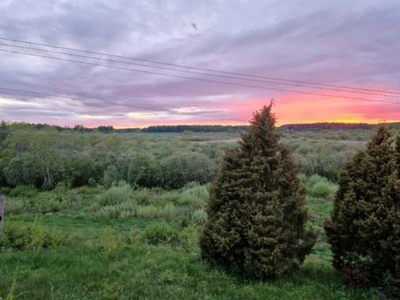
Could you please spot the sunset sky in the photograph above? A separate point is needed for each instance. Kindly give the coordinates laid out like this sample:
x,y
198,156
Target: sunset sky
x,y
342,43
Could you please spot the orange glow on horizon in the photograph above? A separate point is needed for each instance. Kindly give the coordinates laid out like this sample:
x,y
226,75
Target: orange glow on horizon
x,y
289,109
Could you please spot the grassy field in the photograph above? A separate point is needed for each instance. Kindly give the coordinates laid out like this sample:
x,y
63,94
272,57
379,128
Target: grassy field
x,y
142,244
135,243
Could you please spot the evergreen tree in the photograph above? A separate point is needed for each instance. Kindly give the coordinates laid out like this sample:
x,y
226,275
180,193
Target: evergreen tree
x,y
365,228
256,214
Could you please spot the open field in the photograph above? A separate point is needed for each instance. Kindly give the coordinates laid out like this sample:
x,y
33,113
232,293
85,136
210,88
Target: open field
x,y
143,251
107,241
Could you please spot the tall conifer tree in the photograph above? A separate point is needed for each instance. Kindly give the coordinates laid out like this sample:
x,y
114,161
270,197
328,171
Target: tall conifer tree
x,y
364,229
256,214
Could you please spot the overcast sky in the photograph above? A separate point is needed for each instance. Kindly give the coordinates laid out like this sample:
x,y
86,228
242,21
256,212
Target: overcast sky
x,y
348,43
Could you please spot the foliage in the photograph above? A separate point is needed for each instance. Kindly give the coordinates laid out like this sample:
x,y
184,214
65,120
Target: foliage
x,y
321,187
182,168
256,214
162,271
33,237
116,194
364,229
160,233
143,171
112,242
195,197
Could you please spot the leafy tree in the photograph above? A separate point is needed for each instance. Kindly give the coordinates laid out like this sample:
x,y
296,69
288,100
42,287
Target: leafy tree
x,y
256,214
22,170
143,170
183,167
364,229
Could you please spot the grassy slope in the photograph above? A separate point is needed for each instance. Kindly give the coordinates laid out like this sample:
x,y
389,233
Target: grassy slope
x,y
81,270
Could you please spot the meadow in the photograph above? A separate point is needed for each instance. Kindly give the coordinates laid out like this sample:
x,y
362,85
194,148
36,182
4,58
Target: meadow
x,y
117,216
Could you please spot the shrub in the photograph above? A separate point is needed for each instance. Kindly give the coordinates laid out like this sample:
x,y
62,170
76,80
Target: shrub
x,y
143,171
22,170
24,191
122,210
142,196
320,187
256,214
160,233
195,197
20,237
116,194
181,168
168,212
15,206
364,230
112,242
41,237
199,216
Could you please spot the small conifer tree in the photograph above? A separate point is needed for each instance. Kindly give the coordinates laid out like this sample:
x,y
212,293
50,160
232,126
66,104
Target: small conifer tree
x,y
364,230
256,214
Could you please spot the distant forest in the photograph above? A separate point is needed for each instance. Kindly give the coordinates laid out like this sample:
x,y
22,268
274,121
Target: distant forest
x,y
187,128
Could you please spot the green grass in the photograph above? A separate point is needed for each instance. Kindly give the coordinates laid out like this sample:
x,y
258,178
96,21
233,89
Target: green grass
x,y
152,257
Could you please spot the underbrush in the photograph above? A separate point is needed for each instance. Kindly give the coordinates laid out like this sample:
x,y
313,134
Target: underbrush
x,y
131,243
17,236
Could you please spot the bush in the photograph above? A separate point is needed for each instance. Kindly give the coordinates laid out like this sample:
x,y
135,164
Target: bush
x,y
15,206
181,168
28,191
143,171
364,229
34,237
256,214
199,217
122,210
168,212
196,197
22,170
112,242
160,233
320,187
116,194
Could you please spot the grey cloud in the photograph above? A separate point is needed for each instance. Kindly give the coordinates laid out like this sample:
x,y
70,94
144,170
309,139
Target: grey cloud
x,y
352,43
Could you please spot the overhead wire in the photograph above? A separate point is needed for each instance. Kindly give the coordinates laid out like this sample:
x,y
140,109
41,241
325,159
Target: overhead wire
x,y
196,78
197,72
203,69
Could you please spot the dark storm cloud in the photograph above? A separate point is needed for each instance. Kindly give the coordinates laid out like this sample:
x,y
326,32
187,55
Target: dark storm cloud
x,y
349,43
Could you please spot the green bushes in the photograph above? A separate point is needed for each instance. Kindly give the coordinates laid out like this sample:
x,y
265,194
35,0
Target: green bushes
x,y
364,229
160,233
324,158
182,168
116,194
112,243
143,171
33,237
122,210
320,187
195,197
44,160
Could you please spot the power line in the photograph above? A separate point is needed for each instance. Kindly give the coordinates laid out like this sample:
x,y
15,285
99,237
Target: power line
x,y
205,69
196,72
198,79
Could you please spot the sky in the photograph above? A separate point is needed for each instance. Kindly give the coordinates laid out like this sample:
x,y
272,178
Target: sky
x,y
285,43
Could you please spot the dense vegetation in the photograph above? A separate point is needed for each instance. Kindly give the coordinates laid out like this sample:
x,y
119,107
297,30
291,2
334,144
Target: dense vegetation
x,y
256,215
101,220
43,156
